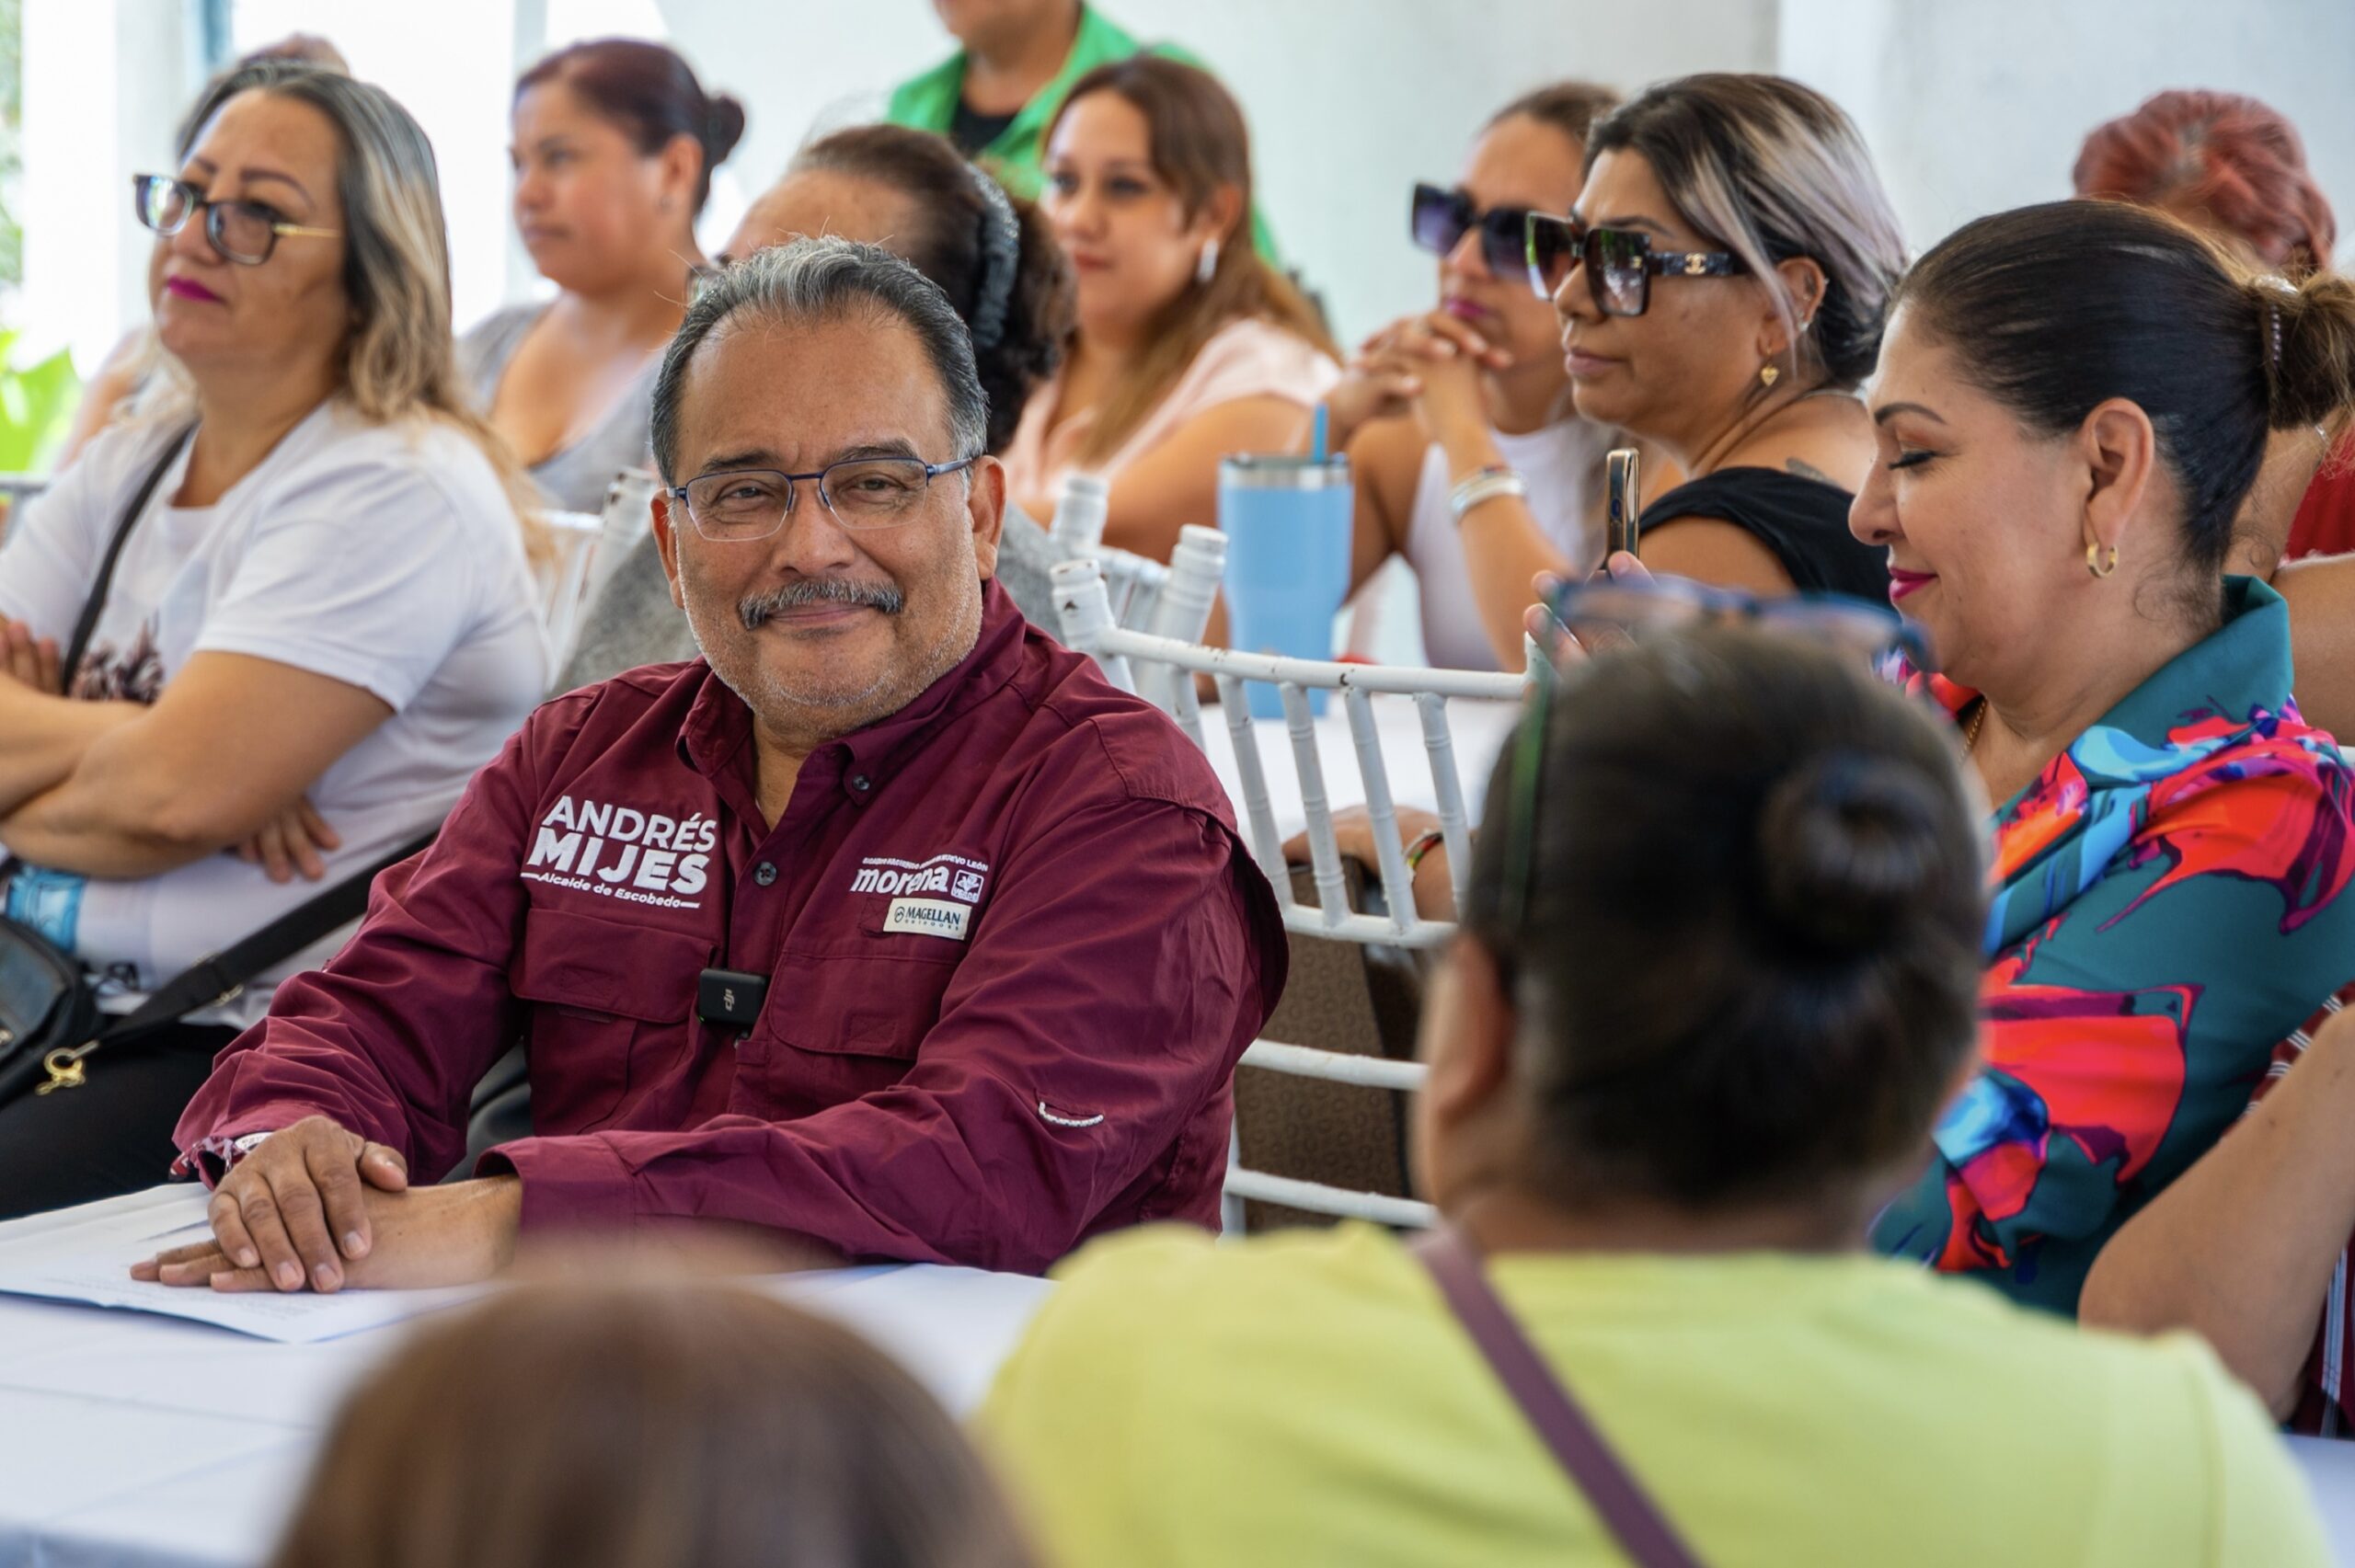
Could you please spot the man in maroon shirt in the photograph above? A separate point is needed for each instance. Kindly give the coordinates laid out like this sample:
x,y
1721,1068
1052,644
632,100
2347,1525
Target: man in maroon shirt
x,y
889,924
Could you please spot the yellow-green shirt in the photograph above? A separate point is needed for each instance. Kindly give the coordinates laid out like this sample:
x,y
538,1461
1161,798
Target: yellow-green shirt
x,y
1307,1399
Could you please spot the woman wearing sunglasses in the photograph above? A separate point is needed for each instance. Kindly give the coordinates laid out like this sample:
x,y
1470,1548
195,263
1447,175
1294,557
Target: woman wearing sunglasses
x,y
1437,408
614,142
1722,283
1719,969
319,622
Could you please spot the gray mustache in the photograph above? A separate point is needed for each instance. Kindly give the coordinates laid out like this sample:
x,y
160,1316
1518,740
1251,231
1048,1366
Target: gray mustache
x,y
757,612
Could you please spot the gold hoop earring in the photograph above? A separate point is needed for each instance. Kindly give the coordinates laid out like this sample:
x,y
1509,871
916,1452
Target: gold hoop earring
x,y
2099,565
1768,376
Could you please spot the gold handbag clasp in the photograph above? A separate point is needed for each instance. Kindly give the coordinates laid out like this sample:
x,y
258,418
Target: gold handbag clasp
x,y
65,1071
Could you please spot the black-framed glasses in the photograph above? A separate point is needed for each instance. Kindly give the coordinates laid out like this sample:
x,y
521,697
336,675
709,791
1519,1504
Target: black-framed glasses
x,y
740,505
1439,219
1620,263
243,232
1602,611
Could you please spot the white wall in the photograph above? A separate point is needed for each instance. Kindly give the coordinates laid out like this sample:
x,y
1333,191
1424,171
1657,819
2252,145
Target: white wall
x,y
1973,108
1349,101
450,62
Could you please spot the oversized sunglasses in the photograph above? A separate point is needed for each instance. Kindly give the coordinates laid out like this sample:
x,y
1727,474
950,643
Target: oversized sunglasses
x,y
243,232
1439,219
1620,263
1602,611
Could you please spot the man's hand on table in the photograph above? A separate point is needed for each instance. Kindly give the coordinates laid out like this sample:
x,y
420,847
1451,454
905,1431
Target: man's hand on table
x,y
440,1235
316,1207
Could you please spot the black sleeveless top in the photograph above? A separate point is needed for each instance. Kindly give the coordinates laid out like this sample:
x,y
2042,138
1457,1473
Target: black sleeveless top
x,y
1803,521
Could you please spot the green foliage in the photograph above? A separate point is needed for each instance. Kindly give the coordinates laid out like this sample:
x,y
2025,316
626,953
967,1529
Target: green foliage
x,y
37,404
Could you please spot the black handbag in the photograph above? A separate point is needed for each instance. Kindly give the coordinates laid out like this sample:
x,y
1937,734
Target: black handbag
x,y
50,1019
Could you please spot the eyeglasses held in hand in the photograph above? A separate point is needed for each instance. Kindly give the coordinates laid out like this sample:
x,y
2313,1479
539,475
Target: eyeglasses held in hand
x,y
740,505
1602,611
1620,263
242,232
1439,219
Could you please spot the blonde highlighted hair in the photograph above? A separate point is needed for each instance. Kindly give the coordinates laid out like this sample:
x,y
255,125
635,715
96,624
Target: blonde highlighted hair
x,y
1199,145
1772,171
400,360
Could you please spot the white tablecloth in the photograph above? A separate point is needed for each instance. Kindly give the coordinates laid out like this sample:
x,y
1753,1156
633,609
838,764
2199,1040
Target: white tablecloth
x,y
129,1440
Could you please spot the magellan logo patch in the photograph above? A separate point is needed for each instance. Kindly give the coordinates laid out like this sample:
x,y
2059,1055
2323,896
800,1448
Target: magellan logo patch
x,y
961,879
928,917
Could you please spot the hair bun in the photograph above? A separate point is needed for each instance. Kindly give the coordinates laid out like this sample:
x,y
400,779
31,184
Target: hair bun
x,y
723,128
1847,846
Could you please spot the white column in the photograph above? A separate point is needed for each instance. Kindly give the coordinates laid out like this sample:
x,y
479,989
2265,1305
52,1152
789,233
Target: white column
x,y
103,83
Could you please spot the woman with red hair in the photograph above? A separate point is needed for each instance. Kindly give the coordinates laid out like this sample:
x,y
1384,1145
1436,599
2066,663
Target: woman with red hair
x,y
2234,168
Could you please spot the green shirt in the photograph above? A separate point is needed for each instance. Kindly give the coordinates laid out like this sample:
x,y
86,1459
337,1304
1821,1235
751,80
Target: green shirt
x,y
1307,1398
1018,156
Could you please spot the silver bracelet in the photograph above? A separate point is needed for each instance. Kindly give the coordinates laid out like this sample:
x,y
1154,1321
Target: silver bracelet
x,y
1485,485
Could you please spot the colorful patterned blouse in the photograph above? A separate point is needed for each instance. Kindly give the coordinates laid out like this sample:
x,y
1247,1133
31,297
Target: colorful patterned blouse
x,y
2167,907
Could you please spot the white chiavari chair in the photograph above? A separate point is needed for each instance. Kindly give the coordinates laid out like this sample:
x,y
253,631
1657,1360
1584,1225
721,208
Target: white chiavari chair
x,y
1129,656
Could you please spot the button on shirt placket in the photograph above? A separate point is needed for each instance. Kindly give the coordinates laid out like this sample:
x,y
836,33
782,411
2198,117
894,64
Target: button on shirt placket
x,y
775,878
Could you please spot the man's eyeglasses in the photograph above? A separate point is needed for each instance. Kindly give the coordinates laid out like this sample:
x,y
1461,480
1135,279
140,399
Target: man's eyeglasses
x,y
740,505
1439,219
1601,612
242,232
1620,263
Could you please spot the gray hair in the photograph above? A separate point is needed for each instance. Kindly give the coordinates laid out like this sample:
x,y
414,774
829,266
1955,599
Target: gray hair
x,y
826,279
1774,170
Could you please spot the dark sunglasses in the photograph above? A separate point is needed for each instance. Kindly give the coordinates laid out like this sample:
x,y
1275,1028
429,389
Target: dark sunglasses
x,y
1602,609
1439,219
1620,263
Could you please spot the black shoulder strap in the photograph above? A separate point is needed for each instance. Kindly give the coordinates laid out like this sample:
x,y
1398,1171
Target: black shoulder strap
x,y
97,602
216,979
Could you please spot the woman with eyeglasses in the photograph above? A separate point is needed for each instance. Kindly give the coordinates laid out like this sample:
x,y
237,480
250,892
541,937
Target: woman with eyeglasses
x,y
319,620
1188,345
1435,409
1721,282
614,142
1719,969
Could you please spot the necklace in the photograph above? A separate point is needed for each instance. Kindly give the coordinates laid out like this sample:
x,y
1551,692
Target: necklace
x,y
1970,733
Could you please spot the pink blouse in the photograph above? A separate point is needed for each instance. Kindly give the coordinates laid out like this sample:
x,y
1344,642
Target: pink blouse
x,y
1250,358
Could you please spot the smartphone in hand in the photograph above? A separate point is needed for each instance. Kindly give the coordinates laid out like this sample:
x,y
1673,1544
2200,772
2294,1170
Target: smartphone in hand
x,y
1623,505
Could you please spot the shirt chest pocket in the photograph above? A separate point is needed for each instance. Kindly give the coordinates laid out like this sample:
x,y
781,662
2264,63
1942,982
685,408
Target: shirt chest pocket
x,y
612,1006
842,1025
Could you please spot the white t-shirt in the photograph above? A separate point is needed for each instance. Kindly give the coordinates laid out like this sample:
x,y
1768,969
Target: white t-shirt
x,y
384,556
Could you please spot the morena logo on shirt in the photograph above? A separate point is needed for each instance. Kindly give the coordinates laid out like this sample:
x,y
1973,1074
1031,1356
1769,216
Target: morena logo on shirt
x,y
623,853
960,878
